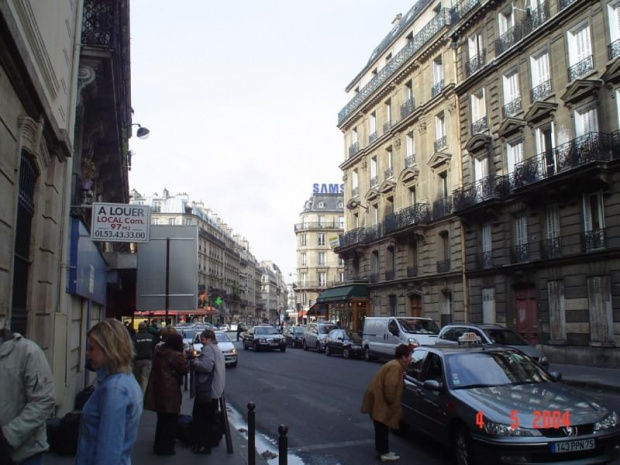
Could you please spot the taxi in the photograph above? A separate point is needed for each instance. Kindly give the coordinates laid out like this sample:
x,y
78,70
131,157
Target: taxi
x,y
493,404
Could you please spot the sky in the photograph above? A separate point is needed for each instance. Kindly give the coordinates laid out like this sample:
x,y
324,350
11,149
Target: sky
x,y
242,99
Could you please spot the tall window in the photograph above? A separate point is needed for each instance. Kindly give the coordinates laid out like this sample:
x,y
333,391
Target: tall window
x,y
355,183
540,68
593,217
506,20
373,170
514,155
302,240
445,246
579,44
586,121
487,238
408,91
437,70
373,126
391,258
480,168
304,259
354,136
413,199
374,262
553,222
303,277
488,305
389,158
545,143
410,146
478,109
440,131
341,222
521,230
475,45
374,212
322,278
388,113
443,185
321,259
512,93
321,239
321,221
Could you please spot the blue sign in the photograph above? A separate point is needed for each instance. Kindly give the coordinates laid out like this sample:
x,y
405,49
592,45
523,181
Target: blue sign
x,y
327,188
88,273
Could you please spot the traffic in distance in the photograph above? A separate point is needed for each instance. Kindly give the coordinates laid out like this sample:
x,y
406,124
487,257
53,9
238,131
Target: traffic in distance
x,y
487,396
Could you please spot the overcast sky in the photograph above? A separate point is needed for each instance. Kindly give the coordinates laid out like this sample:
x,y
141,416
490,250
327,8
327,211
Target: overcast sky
x,y
242,99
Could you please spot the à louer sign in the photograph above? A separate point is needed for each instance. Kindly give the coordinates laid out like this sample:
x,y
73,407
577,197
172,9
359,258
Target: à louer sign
x,y
118,222
318,188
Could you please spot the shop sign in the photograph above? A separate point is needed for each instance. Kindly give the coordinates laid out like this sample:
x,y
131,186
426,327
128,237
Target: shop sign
x,y
118,222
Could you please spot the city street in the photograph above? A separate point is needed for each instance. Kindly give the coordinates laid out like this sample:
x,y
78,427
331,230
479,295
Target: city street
x,y
319,399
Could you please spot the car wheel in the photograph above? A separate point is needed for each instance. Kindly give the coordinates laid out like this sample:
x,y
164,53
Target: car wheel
x,y
462,447
327,352
367,354
234,365
282,348
318,346
245,346
304,345
346,353
256,347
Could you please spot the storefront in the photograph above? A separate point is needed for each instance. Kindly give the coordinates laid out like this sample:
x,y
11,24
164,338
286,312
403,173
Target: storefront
x,y
348,304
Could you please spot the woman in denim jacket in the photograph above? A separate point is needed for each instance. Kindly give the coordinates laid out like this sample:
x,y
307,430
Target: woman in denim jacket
x,y
110,417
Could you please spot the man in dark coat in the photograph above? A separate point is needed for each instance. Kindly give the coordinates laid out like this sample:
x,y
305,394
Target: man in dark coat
x,y
144,343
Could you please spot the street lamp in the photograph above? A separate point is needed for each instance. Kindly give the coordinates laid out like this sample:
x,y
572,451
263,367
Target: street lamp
x,y
142,133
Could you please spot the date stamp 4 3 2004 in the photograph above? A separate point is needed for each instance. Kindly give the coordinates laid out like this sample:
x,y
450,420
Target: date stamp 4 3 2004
x,y
542,419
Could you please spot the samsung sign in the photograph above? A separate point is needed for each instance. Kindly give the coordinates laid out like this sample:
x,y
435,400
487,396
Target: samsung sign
x,y
327,188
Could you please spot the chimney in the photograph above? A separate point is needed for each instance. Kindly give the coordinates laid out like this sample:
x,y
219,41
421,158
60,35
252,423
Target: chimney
x,y
396,20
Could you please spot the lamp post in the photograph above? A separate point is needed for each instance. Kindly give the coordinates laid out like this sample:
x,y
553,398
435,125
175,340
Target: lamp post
x,y
142,132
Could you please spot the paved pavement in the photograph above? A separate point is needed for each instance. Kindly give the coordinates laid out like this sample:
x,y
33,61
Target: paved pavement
x,y
143,449
589,377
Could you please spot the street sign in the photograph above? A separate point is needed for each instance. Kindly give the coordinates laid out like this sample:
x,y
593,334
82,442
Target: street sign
x,y
118,222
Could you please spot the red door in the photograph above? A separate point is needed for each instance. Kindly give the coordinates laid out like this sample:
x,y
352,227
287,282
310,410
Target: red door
x,y
415,305
527,313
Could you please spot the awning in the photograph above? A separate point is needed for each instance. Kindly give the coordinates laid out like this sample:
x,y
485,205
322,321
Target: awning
x,y
208,311
342,293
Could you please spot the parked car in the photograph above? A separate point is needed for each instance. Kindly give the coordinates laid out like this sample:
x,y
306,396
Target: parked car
x,y
491,334
263,337
189,334
493,405
315,334
224,343
345,342
293,335
381,335
224,327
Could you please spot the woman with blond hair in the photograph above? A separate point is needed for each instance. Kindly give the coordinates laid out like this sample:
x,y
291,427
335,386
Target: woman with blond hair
x,y
110,417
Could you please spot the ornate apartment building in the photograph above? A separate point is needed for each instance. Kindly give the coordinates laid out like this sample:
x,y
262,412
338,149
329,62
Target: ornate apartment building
x,y
318,267
538,86
401,165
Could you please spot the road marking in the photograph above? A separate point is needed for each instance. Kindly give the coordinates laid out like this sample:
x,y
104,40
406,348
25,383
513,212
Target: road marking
x,y
332,445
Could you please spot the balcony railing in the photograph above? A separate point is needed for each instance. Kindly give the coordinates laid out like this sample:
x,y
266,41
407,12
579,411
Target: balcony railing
x,y
374,181
388,173
311,285
355,192
407,108
564,3
550,248
374,277
475,63
520,253
442,207
485,260
423,37
351,237
461,8
354,148
614,49
409,161
436,89
408,216
581,68
412,271
594,240
479,126
389,275
373,233
372,137
443,266
512,108
386,126
513,35
591,147
440,143
508,39
320,225
491,187
541,91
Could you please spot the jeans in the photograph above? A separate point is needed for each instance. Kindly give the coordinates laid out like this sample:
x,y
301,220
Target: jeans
x,y
381,438
142,371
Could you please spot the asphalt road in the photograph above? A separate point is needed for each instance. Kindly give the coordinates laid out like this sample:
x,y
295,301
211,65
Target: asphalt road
x,y
318,398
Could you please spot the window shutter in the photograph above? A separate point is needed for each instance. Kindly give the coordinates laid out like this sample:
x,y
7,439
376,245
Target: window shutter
x,y
487,243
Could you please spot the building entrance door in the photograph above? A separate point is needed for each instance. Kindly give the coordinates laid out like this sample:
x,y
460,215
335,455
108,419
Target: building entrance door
x,y
527,313
415,305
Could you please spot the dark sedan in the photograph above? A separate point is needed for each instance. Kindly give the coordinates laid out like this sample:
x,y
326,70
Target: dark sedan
x,y
495,405
293,336
263,338
345,342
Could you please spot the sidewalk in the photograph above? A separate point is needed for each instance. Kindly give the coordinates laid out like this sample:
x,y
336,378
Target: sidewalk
x,y
588,377
142,452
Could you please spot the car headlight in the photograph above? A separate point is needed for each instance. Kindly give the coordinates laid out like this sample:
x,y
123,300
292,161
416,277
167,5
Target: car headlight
x,y
261,339
543,360
414,342
609,421
501,430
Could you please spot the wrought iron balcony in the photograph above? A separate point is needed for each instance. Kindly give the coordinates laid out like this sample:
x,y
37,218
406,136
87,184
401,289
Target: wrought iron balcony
x,y
389,173
311,285
461,8
538,15
442,207
354,148
412,271
520,253
512,108
479,126
407,108
475,63
389,275
374,181
386,126
372,137
491,187
443,266
614,49
408,216
591,147
509,38
440,143
426,34
581,68
351,237
101,24
550,248
373,233
355,192
485,260
541,91
436,89
374,277
594,240
410,161
564,3
319,225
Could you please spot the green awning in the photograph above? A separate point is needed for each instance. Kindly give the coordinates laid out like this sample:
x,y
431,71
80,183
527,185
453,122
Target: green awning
x,y
341,293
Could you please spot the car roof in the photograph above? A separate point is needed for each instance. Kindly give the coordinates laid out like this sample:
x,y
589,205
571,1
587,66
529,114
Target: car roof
x,y
475,325
399,318
449,349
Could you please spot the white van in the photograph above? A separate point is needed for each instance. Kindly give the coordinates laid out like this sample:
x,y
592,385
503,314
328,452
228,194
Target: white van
x,y
381,335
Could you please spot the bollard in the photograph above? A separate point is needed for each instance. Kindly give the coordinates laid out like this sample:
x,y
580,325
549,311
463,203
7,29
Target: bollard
x,y
251,434
283,445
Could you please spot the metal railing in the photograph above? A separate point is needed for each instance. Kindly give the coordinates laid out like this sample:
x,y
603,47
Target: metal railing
x,y
485,260
436,89
389,173
594,240
410,161
372,137
461,8
386,126
442,207
479,126
519,253
443,266
441,143
311,285
541,91
475,63
408,216
354,148
412,271
373,278
389,275
407,108
581,68
564,3
614,49
512,108
419,40
535,18
319,225
373,233
491,187
550,248
355,192
351,237
374,181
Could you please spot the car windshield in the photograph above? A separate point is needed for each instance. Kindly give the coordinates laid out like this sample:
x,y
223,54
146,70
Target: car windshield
x,y
325,329
506,336
222,337
419,326
486,369
191,333
265,330
353,336
297,330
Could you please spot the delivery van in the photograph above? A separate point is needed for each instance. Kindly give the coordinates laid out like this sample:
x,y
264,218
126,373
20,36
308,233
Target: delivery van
x,y
381,335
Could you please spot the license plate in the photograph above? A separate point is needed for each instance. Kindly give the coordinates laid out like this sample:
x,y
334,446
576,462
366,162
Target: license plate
x,y
572,446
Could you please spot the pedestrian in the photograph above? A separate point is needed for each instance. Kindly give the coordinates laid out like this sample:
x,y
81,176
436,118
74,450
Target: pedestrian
x,y
163,393
154,329
239,330
208,388
27,391
110,418
382,400
144,343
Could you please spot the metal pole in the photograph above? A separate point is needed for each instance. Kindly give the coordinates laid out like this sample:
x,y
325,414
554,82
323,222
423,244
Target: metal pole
x,y
283,445
251,434
167,298
229,444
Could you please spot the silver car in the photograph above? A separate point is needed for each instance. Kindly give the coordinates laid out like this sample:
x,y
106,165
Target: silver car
x,y
315,334
224,343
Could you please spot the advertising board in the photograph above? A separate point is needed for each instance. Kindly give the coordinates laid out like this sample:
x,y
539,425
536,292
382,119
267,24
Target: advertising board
x,y
118,222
